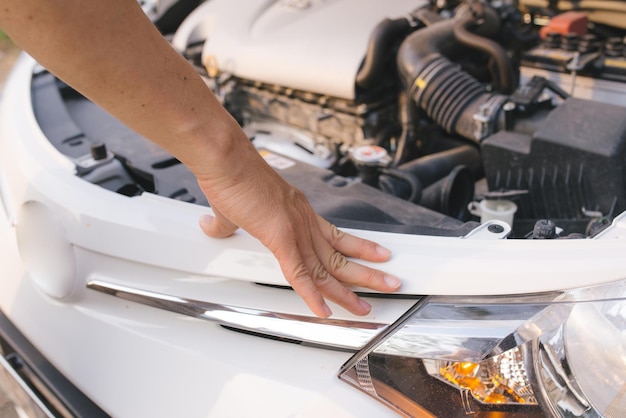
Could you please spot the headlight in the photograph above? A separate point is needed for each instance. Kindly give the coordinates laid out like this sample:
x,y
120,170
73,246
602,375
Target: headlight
x,y
557,354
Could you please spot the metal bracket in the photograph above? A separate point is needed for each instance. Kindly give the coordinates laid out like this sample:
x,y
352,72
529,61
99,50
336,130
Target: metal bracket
x,y
490,230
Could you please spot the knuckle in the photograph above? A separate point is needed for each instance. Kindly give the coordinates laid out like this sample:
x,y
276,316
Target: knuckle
x,y
337,261
320,275
336,234
373,277
299,274
302,282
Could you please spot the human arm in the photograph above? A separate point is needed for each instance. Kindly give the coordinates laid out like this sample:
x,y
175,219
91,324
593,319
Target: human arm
x,y
111,53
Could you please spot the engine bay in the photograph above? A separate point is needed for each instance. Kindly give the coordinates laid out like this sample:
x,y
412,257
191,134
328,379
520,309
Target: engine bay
x,y
442,114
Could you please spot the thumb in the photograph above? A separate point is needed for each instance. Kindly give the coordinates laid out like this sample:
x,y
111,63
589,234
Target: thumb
x,y
217,226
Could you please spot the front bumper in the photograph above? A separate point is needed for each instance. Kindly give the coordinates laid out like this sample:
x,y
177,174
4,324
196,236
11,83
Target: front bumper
x,y
15,395
30,385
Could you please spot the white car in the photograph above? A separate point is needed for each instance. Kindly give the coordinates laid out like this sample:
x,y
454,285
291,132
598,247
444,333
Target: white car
x,y
484,143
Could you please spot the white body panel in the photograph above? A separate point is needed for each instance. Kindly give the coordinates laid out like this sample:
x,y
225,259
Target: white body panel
x,y
289,46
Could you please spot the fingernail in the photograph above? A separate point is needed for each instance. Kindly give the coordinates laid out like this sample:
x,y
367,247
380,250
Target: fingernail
x,y
392,281
382,251
327,311
365,305
205,219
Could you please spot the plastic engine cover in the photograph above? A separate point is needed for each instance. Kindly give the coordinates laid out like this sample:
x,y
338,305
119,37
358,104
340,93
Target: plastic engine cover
x,y
311,45
574,162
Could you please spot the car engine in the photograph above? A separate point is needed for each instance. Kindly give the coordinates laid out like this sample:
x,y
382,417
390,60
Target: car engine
x,y
411,116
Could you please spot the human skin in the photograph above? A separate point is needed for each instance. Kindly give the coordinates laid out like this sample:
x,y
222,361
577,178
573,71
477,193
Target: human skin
x,y
110,52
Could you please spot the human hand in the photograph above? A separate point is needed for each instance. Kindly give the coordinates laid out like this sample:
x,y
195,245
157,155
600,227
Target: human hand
x,y
311,251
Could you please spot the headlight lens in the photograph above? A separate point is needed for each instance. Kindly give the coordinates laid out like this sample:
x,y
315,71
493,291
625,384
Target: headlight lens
x,y
553,354
501,379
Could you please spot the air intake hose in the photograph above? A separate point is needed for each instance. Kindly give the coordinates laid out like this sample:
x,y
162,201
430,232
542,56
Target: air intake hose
x,y
443,181
381,40
449,95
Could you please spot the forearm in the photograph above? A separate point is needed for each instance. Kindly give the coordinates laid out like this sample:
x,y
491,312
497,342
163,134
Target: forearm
x,y
146,81
111,53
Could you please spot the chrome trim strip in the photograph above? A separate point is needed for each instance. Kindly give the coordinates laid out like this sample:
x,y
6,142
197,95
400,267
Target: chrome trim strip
x,y
333,333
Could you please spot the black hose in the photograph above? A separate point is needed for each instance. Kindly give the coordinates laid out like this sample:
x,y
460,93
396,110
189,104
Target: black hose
x,y
502,71
525,37
452,194
406,110
449,95
406,178
427,16
379,46
417,47
428,170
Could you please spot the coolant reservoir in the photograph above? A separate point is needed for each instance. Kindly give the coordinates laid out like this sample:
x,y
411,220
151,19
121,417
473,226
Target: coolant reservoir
x,y
498,209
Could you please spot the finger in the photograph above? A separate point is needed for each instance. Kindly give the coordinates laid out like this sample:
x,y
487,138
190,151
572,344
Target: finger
x,y
291,259
331,288
322,266
297,274
351,273
217,226
319,271
352,246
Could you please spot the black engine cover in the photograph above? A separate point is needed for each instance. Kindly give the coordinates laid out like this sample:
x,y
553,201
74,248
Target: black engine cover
x,y
573,162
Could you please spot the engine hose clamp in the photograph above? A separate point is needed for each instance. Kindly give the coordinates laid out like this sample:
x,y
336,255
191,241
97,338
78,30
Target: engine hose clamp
x,y
485,119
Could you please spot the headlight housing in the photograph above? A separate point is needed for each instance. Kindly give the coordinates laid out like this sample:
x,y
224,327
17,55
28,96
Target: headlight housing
x,y
557,354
